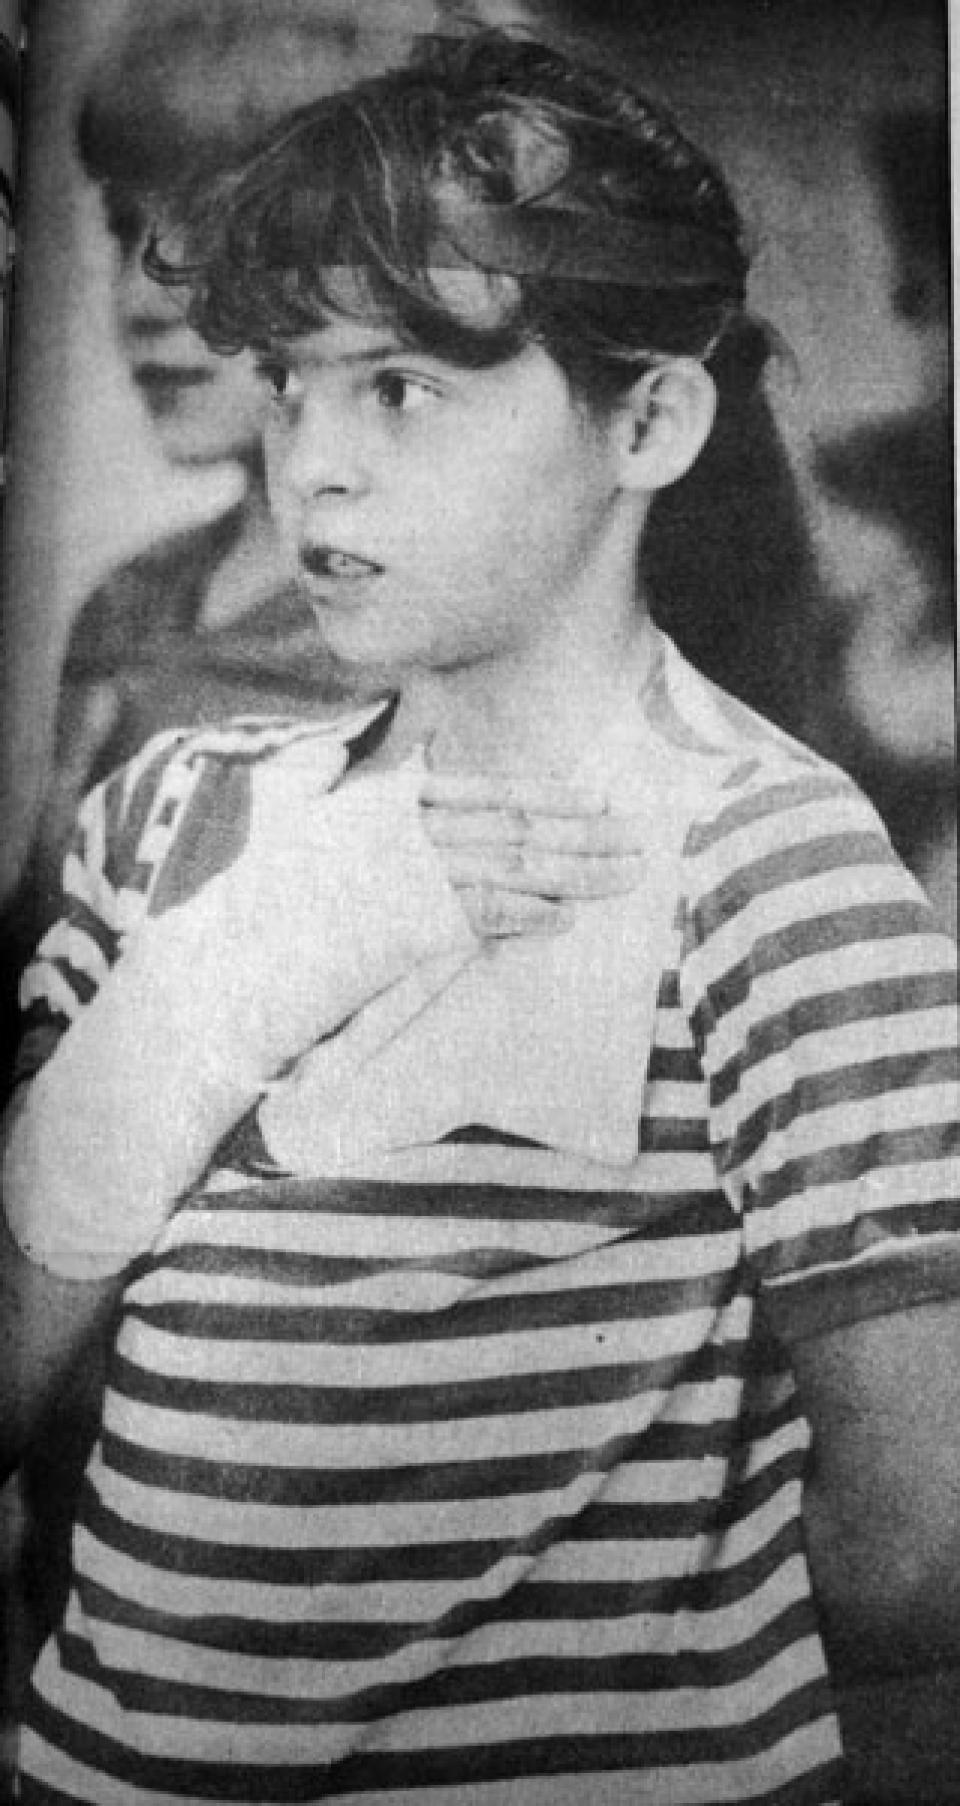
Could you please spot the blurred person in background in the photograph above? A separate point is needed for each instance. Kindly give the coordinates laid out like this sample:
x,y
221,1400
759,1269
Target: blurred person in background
x,y
205,624
890,673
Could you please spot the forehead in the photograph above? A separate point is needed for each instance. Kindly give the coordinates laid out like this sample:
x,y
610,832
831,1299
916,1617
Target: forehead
x,y
344,342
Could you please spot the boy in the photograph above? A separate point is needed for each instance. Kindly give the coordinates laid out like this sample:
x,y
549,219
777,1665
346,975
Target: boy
x,y
518,1113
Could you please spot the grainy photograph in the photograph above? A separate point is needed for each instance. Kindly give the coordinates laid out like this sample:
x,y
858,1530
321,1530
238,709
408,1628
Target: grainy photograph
x,y
478,906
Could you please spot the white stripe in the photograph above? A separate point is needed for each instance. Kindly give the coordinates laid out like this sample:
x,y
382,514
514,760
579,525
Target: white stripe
x,y
489,1723
375,1602
370,1446
796,903
608,1714
823,1207
692,1784
390,1235
593,1563
786,828
735,1784
901,958
581,1638
321,1234
854,1121
835,1050
41,982
226,1522
580,1348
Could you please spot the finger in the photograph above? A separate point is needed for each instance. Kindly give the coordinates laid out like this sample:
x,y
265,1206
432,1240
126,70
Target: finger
x,y
481,790
500,915
554,875
606,836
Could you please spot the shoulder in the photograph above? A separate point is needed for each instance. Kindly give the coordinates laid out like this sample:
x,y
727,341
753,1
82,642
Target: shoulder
x,y
763,810
149,591
789,886
158,826
129,824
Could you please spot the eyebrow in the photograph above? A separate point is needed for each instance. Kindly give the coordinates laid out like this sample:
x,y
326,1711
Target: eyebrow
x,y
372,354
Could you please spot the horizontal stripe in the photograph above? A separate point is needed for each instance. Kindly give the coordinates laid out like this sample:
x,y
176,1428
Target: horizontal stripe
x,y
775,801
385,1443
285,1781
293,1487
387,1312
825,928
888,1157
665,1492
445,1401
673,1687
773,1606
263,1361
873,1008
421,1541
899,1092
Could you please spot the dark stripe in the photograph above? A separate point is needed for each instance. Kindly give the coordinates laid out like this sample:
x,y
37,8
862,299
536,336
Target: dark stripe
x,y
38,1043
833,1300
874,1002
274,1266
282,1784
84,988
674,1066
464,1201
494,1316
702,1591
83,918
675,1135
463,1685
635,1214
308,1565
448,1401
587,1755
851,1161
812,1092
789,865
841,929
532,1601
122,868
775,798
490,1478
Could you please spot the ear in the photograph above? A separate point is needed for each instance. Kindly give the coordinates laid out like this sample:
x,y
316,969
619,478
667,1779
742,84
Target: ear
x,y
665,423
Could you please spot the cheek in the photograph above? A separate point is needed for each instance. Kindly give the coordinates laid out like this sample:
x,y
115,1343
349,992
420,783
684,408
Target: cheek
x,y
279,493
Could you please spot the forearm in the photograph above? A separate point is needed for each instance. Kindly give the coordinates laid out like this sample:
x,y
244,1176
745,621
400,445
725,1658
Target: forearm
x,y
887,1589
44,1322
902,1740
882,1501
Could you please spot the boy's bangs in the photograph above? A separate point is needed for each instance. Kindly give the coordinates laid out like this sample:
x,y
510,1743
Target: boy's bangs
x,y
339,221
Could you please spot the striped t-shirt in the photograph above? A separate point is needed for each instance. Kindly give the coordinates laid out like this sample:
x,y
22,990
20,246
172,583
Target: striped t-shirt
x,y
475,1476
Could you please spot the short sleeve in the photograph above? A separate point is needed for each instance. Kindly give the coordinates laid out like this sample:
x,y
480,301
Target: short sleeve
x,y
108,869
824,1003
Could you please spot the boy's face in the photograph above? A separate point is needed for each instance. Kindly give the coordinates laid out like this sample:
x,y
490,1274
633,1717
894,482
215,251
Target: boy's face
x,y
204,409
439,515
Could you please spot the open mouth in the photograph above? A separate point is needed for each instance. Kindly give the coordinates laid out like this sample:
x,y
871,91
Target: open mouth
x,y
333,565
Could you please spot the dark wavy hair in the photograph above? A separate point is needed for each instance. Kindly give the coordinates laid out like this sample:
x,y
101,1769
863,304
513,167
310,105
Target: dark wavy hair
x,y
341,210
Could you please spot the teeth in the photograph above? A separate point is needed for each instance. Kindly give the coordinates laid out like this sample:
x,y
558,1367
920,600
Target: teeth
x,y
327,561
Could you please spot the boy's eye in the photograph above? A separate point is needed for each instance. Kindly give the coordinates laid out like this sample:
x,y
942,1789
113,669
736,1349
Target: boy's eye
x,y
279,378
401,393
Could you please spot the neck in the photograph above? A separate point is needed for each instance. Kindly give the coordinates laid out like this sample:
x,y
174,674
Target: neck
x,y
536,713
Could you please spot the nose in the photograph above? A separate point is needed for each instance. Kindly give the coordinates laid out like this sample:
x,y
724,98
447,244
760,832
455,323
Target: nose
x,y
319,452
